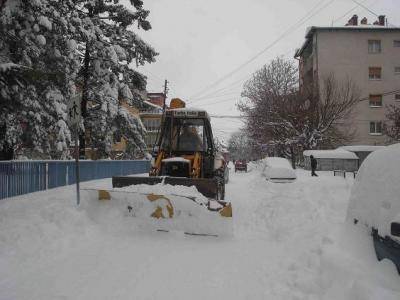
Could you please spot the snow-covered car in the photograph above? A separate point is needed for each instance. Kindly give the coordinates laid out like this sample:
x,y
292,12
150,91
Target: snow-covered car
x,y
375,201
240,165
278,169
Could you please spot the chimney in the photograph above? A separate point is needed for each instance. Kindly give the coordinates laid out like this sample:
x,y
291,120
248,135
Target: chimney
x,y
364,21
353,21
382,20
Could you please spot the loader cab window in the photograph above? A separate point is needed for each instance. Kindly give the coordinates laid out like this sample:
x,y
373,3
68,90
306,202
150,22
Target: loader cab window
x,y
188,135
190,138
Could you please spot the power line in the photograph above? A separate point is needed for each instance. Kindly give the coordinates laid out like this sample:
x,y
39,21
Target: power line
x,y
393,92
285,33
195,99
225,117
247,77
366,8
161,81
358,4
349,11
388,93
369,10
306,17
215,96
217,102
237,82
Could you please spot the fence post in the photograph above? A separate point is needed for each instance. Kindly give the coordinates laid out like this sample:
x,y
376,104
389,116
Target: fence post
x,y
66,174
47,176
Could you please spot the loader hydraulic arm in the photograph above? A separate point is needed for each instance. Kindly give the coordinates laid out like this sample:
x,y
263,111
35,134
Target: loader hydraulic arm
x,y
196,167
155,169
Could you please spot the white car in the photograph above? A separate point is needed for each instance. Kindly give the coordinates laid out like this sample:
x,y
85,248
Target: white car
x,y
375,201
278,169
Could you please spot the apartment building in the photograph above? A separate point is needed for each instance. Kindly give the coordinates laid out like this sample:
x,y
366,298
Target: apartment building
x,y
369,54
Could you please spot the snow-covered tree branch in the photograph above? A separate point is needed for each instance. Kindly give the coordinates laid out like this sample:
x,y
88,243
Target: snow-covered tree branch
x,y
49,51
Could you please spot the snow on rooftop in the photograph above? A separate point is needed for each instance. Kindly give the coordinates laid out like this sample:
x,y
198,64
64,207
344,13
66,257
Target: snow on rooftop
x,y
362,148
152,104
334,154
309,30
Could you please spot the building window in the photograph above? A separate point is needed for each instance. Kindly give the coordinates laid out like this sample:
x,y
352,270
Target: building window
x,y
152,124
397,97
375,128
396,43
374,46
375,100
375,73
397,70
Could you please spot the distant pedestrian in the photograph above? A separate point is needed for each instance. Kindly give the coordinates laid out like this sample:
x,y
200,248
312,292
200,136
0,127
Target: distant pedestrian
x,y
314,165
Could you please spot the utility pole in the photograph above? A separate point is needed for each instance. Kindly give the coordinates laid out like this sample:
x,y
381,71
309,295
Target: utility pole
x,y
163,113
82,136
165,93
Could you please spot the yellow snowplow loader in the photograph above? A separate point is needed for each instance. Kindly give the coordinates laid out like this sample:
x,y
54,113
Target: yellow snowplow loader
x,y
185,156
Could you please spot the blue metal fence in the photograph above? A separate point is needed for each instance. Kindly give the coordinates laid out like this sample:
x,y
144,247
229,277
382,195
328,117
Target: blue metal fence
x,y
22,177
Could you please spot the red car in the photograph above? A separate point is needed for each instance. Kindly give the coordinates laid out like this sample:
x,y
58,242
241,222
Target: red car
x,y
240,165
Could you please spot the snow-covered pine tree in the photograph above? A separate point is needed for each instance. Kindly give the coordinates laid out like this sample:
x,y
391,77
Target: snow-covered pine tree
x,y
110,51
37,74
43,46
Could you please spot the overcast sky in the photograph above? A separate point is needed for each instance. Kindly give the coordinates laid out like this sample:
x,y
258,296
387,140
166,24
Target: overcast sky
x,y
202,41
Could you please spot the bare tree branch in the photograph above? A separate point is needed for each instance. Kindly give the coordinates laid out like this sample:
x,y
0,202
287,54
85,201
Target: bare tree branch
x,y
286,120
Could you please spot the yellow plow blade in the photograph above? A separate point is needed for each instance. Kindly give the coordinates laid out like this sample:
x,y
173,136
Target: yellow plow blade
x,y
168,212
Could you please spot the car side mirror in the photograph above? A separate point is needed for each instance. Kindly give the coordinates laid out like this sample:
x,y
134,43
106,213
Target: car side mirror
x,y
395,229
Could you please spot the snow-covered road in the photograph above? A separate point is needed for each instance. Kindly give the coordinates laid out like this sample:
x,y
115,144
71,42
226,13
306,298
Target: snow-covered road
x,y
290,242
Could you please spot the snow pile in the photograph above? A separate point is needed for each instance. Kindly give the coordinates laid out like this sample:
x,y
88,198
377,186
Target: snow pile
x,y
335,154
350,270
160,210
163,189
375,198
278,168
176,159
290,242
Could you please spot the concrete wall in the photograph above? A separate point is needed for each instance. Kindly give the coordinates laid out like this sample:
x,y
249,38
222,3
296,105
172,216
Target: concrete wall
x,y
345,54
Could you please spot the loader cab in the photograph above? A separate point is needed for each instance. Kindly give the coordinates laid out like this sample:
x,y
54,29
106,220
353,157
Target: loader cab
x,y
186,136
184,133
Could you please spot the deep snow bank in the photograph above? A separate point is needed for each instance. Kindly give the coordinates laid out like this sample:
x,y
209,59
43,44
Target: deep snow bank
x,y
290,242
375,196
